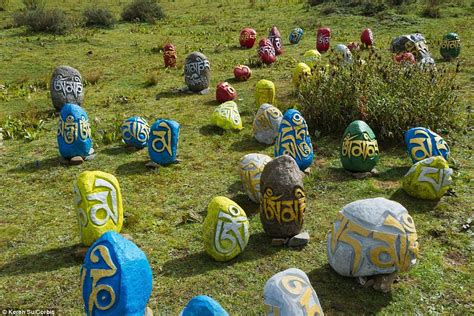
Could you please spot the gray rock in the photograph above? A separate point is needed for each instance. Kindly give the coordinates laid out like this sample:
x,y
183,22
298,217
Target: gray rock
x,y
371,237
299,240
290,293
283,198
266,124
77,160
197,72
66,87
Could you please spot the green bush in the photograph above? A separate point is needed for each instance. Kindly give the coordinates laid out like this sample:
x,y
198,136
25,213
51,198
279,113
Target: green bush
x,y
41,20
390,97
27,128
143,11
98,17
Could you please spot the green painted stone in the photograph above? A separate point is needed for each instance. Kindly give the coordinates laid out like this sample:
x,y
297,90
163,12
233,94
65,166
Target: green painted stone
x,y
428,179
450,46
225,229
359,148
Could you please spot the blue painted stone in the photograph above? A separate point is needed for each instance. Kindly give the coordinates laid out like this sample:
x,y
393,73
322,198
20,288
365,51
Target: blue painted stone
x,y
423,143
74,132
203,305
163,141
296,35
294,140
135,132
116,278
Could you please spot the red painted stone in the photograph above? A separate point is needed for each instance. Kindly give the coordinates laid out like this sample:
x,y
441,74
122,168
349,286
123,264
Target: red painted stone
x,y
225,92
275,38
323,39
405,58
242,72
169,55
267,54
353,46
248,37
265,42
367,37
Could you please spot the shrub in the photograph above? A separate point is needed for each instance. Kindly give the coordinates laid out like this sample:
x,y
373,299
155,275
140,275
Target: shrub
x,y
98,17
143,11
41,20
431,10
391,98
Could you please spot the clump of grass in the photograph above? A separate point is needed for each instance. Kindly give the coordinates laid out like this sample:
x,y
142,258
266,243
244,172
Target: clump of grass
x,y
4,4
34,4
93,76
329,9
389,97
99,17
153,79
111,133
143,11
22,127
432,9
42,20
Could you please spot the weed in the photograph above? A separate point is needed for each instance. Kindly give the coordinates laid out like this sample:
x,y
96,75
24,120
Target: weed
x,y
153,79
100,17
34,4
4,4
143,11
93,76
41,20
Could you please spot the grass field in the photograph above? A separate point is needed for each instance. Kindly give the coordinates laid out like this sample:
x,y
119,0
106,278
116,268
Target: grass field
x,y
38,228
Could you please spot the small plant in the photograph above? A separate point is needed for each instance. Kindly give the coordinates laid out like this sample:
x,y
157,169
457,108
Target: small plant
x,y
27,128
99,17
4,4
143,11
153,79
92,77
431,10
41,20
34,4
112,133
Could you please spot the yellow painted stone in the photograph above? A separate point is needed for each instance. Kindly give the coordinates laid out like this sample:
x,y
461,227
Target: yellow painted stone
x,y
98,203
264,92
428,179
312,58
301,72
225,229
227,116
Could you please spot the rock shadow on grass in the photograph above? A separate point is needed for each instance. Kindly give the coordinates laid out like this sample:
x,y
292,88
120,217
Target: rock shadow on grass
x,y
208,130
393,174
248,143
238,195
413,205
131,168
36,165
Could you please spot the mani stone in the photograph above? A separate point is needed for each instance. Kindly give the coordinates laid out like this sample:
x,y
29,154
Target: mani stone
x,y
415,44
283,200
295,35
98,204
290,293
371,237
197,72
294,140
345,52
226,116
264,92
135,132
428,179
300,73
250,169
203,305
116,278
450,46
359,148
266,124
163,142
312,58
74,132
423,143
66,87
225,229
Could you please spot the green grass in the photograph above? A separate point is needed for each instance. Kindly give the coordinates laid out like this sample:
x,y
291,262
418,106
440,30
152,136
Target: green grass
x,y
38,230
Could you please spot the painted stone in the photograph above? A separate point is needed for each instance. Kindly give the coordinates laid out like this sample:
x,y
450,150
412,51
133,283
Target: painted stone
x,y
301,73
169,55
283,200
295,35
225,92
66,87
203,305
405,58
265,42
264,92
135,132
367,37
116,278
242,72
225,229
415,44
250,169
227,116
372,236
312,58
345,52
353,46
98,204
266,124
163,142
323,39
197,72
248,37
267,54
423,143
294,140
450,46
359,148
275,37
290,293
428,179
74,132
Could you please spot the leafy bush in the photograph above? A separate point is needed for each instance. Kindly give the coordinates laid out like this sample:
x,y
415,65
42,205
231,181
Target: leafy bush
x,y
143,11
41,20
21,128
98,17
390,97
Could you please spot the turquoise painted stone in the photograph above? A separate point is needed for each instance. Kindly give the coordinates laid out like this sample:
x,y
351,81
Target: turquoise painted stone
x,y
74,132
203,305
163,142
135,132
296,35
359,149
423,143
116,278
450,46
